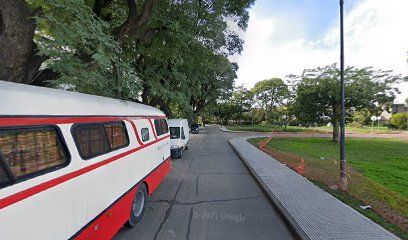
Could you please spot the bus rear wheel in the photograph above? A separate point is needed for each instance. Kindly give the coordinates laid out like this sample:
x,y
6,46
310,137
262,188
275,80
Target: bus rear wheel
x,y
138,206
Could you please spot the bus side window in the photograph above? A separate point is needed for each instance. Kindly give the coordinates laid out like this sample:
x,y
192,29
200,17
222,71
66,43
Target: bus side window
x,y
161,126
164,126
117,136
91,140
145,134
6,177
157,126
95,139
30,151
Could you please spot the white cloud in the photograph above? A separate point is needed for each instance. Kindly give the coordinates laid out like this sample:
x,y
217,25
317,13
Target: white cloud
x,y
375,35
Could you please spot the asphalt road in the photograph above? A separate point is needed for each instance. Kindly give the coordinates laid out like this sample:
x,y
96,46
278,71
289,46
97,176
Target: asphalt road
x,y
209,194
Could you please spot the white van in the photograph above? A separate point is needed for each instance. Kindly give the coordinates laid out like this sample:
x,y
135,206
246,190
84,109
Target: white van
x,y
179,136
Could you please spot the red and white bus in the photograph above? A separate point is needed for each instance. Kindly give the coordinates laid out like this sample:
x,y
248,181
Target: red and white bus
x,y
76,166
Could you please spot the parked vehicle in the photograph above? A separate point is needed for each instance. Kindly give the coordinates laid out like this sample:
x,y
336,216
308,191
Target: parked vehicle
x,y
179,137
194,128
76,166
200,126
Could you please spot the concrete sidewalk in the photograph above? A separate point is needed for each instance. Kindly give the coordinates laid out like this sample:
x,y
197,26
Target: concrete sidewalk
x,y
313,213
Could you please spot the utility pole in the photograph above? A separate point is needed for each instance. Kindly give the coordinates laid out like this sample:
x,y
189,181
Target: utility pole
x,y
343,173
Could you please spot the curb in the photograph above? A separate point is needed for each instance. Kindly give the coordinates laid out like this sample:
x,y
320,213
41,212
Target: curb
x,y
223,129
293,225
286,192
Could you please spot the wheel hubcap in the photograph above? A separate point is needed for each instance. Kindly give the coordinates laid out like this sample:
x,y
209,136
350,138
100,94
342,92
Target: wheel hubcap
x,y
138,204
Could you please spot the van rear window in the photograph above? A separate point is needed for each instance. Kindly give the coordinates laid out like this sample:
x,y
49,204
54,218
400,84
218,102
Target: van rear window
x,y
29,151
174,132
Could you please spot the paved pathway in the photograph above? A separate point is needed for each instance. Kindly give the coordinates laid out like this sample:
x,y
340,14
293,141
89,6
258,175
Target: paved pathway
x,y
209,194
314,213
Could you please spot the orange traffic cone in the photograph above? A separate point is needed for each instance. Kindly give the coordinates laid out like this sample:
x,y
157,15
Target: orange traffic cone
x,y
301,168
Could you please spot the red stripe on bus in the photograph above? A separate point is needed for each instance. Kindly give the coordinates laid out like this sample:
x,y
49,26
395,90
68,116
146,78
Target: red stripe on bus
x,y
136,132
154,131
108,223
20,121
7,201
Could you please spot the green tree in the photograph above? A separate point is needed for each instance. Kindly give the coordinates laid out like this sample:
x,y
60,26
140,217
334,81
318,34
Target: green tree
x,y
215,83
225,111
400,120
170,54
59,40
81,52
270,93
363,117
244,99
186,60
318,93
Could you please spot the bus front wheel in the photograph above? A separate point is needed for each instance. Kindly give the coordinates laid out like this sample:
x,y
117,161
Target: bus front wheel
x,y
138,206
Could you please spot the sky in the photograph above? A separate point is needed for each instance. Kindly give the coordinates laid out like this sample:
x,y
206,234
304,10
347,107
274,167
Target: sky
x,y
286,36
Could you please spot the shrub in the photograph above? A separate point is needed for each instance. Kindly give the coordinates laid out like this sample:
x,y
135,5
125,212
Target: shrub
x,y
355,124
295,123
399,120
360,118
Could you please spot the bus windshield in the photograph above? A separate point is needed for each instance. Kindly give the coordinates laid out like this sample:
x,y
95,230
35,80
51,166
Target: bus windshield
x,y
174,132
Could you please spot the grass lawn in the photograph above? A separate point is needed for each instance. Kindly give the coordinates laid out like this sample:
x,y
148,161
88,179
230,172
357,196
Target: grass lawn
x,y
364,129
270,127
378,170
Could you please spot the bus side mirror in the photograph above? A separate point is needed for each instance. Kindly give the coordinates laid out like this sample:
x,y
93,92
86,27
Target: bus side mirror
x,y
183,137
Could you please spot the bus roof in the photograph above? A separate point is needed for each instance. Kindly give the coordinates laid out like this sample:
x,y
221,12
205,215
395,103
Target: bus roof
x,y
20,99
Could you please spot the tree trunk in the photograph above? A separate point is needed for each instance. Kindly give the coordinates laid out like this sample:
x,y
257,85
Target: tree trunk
x,y
166,109
335,122
240,117
134,22
336,130
163,106
200,107
17,25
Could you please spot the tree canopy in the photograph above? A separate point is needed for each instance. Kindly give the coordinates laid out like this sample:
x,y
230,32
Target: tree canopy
x,y
318,99
171,54
270,93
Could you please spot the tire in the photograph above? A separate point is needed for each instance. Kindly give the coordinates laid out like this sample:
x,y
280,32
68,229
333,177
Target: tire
x,y
138,206
181,154
186,147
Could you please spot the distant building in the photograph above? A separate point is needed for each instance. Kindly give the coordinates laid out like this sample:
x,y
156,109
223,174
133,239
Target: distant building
x,y
399,108
385,116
